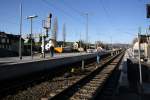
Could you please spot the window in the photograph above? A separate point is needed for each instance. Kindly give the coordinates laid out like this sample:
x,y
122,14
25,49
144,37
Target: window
x,y
3,40
135,51
2,46
9,47
7,40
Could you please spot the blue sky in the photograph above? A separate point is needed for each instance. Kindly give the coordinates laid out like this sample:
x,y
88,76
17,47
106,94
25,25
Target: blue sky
x,y
116,19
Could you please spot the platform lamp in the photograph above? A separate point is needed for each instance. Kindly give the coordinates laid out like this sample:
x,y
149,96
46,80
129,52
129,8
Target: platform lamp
x,y
46,25
20,38
31,18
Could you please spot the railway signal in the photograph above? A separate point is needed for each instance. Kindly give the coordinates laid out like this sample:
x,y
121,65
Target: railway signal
x,y
46,25
148,10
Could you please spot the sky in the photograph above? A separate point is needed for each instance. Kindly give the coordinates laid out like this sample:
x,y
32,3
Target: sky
x,y
114,21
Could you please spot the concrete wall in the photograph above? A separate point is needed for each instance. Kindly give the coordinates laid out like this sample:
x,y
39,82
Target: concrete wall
x,y
14,70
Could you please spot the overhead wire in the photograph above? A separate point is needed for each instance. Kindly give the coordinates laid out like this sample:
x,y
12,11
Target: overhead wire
x,y
106,12
70,7
61,10
108,17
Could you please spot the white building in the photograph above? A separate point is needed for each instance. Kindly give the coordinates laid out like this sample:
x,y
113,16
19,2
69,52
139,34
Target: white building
x,y
144,50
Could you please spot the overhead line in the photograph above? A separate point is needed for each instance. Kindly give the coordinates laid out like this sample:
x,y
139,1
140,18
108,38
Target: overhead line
x,y
108,17
75,10
69,15
106,12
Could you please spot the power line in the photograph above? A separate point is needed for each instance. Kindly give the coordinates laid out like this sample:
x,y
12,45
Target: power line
x,y
75,10
47,3
140,0
82,15
106,12
61,10
108,17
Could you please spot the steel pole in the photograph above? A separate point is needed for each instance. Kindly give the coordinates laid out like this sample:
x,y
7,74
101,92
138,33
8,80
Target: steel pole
x,y
139,51
43,46
111,43
20,45
31,39
87,29
80,40
31,17
44,41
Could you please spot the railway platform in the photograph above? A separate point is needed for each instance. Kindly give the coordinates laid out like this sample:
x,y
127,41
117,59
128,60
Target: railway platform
x,y
26,59
125,90
19,68
49,65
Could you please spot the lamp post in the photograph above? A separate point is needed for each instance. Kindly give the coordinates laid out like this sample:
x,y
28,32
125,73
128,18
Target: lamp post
x,y
20,44
139,53
46,26
87,28
31,18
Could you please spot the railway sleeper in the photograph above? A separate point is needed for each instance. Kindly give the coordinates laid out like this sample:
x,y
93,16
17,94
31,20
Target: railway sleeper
x,y
83,90
92,87
98,79
95,80
95,84
81,96
89,87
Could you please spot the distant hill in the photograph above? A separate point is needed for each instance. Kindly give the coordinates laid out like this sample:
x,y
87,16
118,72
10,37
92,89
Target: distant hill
x,y
119,45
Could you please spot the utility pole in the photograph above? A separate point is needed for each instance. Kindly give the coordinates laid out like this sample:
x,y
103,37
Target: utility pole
x,y
139,51
111,43
147,38
31,18
54,31
20,42
46,26
64,35
87,19
80,41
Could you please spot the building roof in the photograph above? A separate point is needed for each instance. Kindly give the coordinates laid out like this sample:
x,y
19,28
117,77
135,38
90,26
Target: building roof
x,y
2,34
11,36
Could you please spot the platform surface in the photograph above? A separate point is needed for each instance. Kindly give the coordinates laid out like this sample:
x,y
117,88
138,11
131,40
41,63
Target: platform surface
x,y
16,67
25,59
125,92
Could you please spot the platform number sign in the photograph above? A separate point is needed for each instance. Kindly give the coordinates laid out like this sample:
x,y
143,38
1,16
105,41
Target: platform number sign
x,y
148,10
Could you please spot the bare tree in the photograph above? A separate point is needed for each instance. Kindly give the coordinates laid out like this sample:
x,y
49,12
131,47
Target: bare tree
x,y
135,40
99,43
29,39
40,38
54,30
64,34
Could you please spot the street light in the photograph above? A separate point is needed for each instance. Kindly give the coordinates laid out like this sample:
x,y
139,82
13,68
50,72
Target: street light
x,y
31,18
139,53
87,28
20,42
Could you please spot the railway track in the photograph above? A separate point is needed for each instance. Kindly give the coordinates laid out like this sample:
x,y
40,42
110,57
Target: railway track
x,y
52,88
89,86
